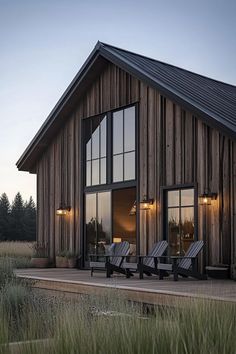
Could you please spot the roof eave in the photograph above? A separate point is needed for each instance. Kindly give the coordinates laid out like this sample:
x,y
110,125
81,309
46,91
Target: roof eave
x,y
202,113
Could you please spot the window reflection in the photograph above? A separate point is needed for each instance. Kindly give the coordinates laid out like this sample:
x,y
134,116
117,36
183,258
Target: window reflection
x,y
124,225
129,130
98,222
118,168
95,172
129,165
187,197
173,198
118,132
180,220
124,144
96,146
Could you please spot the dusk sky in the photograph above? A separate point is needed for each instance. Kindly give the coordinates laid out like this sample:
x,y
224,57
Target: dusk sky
x,y
44,43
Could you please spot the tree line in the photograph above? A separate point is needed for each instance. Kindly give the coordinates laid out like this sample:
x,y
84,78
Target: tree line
x,y
18,219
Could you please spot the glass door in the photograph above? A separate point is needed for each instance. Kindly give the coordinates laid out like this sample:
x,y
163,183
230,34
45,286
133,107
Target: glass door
x,y
98,222
180,220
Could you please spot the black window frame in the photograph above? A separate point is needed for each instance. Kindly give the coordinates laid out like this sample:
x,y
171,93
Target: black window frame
x,y
164,203
109,186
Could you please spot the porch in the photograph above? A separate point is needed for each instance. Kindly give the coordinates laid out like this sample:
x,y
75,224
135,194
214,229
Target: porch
x,y
150,290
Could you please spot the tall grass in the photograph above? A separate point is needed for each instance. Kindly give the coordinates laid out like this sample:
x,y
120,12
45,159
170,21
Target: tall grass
x,y
16,248
109,324
17,253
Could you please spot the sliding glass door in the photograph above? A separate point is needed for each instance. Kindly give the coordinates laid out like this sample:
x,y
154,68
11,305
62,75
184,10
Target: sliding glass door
x,y
98,222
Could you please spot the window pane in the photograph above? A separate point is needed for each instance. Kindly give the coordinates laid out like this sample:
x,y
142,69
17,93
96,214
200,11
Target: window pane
x,y
129,131
88,150
187,197
103,171
103,134
95,144
88,173
173,198
129,166
91,224
174,231
95,172
104,220
117,168
187,223
118,132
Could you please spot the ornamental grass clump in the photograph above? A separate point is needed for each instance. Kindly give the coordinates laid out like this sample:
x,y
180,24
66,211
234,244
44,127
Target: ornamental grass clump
x,y
198,327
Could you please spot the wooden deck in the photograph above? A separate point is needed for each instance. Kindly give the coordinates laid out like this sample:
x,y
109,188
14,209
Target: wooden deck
x,y
149,290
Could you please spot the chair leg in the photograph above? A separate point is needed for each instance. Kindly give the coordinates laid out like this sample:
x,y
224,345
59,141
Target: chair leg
x,y
161,275
108,271
127,273
175,276
140,272
91,271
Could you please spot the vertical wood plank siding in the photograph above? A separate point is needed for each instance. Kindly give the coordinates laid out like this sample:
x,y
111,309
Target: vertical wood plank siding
x,y
175,148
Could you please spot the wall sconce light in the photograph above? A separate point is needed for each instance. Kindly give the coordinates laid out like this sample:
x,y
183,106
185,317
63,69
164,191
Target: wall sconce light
x,y
146,203
133,209
117,239
207,197
63,210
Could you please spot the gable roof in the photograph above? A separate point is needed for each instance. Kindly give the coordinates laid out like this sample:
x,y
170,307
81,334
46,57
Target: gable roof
x,y
213,100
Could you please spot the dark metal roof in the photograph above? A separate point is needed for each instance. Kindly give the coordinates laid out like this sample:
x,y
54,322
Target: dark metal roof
x,y
213,100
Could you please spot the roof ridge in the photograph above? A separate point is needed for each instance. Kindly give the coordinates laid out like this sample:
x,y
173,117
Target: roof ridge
x,y
104,45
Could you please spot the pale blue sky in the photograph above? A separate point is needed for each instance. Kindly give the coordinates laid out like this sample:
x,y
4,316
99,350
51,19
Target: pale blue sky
x,y
44,43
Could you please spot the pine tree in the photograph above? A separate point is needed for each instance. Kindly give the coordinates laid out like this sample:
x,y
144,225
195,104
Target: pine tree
x,y
17,219
4,217
30,220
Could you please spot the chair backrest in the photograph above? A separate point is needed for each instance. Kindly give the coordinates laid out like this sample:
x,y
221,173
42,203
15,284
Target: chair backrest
x,y
121,249
111,249
192,251
157,250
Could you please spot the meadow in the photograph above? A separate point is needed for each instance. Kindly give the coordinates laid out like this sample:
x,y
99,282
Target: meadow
x,y
109,324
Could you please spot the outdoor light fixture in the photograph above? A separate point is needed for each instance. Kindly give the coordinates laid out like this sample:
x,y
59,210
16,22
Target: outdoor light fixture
x,y
146,203
207,197
117,239
133,209
63,209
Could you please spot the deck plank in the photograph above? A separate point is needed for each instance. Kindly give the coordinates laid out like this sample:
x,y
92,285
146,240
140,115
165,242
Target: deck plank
x,y
149,290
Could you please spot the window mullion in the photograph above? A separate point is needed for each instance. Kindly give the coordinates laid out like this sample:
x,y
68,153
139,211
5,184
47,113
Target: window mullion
x,y
123,144
109,148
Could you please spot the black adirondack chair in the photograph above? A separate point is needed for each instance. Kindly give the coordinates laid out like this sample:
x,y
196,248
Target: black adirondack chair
x,y
98,261
114,262
183,265
147,264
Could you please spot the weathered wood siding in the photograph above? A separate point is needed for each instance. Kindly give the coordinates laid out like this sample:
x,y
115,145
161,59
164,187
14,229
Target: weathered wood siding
x,y
175,147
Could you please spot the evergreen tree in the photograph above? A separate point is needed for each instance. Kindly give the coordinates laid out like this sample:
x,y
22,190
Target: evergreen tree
x,y
17,219
4,217
30,220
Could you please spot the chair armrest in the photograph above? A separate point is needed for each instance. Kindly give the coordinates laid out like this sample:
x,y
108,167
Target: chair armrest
x,y
92,256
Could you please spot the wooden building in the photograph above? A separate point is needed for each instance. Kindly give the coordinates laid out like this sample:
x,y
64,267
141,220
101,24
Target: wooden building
x,y
129,130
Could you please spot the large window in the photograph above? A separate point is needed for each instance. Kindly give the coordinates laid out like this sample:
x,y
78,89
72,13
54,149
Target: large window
x,y
124,145
109,156
110,141
180,219
96,150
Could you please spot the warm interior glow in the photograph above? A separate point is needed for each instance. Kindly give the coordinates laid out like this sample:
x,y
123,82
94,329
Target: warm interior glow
x,y
117,239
